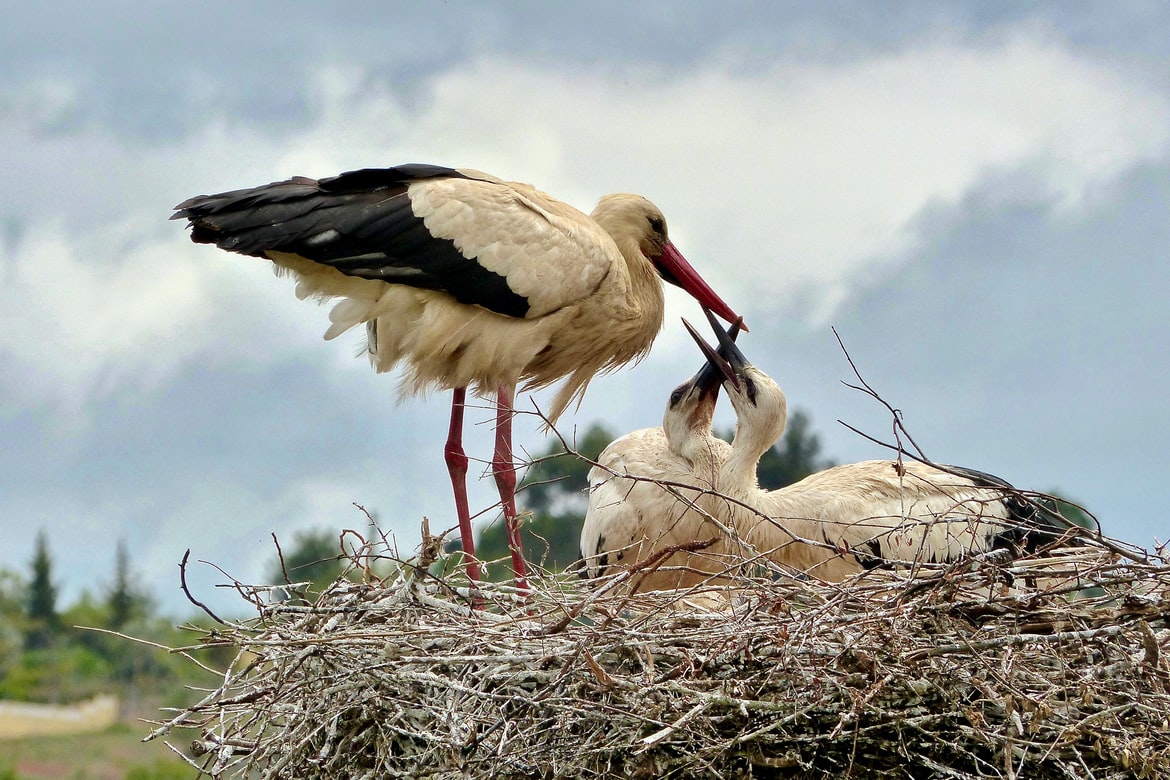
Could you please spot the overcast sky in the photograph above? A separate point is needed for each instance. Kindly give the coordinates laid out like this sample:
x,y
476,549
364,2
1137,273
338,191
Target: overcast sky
x,y
976,195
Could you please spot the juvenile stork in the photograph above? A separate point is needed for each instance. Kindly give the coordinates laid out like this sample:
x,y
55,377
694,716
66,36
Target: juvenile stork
x,y
469,281
646,493
839,521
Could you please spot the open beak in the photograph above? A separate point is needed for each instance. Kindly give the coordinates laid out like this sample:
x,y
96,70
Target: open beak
x,y
716,370
674,268
727,348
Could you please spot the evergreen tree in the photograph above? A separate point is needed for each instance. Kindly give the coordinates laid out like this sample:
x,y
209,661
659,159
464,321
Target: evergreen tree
x,y
41,598
124,600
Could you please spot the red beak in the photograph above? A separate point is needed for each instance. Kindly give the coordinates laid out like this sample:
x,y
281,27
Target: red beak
x,y
675,269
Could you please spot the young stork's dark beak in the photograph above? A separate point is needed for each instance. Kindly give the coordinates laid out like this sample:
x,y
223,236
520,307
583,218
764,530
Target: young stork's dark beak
x,y
717,369
727,347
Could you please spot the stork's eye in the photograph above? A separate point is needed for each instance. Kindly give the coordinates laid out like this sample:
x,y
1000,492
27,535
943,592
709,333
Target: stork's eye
x,y
677,395
749,387
657,225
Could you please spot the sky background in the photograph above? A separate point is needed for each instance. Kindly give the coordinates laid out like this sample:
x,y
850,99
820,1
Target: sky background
x,y
975,195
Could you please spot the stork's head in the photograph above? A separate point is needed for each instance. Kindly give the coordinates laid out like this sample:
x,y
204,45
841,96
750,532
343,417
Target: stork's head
x,y
633,218
692,404
760,406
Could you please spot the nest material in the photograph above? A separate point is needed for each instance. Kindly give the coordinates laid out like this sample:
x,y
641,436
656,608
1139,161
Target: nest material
x,y
1053,666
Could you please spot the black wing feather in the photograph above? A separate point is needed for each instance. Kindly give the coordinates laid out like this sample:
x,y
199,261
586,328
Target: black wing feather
x,y
1032,525
360,223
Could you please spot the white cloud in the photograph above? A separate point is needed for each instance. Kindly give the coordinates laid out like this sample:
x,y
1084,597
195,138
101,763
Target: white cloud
x,y
77,324
792,178
809,174
115,310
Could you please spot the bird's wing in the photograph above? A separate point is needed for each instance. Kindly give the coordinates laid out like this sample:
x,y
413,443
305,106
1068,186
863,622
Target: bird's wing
x,y
922,514
612,523
615,522
505,247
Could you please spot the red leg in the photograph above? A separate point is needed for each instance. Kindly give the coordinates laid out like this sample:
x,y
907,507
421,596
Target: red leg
x,y
504,469
457,466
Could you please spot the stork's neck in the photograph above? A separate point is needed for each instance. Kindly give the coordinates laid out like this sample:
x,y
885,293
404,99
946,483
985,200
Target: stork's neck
x,y
645,284
737,477
756,430
687,425
774,521
705,452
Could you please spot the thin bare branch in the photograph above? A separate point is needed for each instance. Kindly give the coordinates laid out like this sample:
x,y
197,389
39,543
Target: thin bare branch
x,y
187,591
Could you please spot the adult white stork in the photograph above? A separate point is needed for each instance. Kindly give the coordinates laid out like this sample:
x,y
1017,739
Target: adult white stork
x,y
647,492
468,280
839,521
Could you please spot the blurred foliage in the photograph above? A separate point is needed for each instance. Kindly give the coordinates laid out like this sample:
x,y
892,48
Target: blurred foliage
x,y
12,619
555,492
61,674
556,481
110,754
160,770
1070,510
67,660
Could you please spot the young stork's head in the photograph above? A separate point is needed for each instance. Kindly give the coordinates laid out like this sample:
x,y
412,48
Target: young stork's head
x,y
760,406
692,404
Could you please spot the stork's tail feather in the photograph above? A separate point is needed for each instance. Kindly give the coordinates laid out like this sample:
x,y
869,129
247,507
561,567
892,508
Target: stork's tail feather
x,y
292,216
1033,522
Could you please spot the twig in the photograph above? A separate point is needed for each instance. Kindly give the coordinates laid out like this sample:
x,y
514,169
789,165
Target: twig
x,y
187,592
896,414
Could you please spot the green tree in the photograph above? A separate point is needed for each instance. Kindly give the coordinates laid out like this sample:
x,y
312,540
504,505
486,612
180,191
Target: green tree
x,y
66,671
1071,511
41,598
315,557
12,621
12,595
557,481
553,491
125,601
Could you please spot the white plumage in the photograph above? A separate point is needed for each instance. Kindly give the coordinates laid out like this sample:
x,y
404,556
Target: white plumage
x,y
467,281
642,497
651,490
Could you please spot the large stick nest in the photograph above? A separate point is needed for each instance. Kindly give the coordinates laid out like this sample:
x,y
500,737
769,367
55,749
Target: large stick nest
x,y
1042,667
